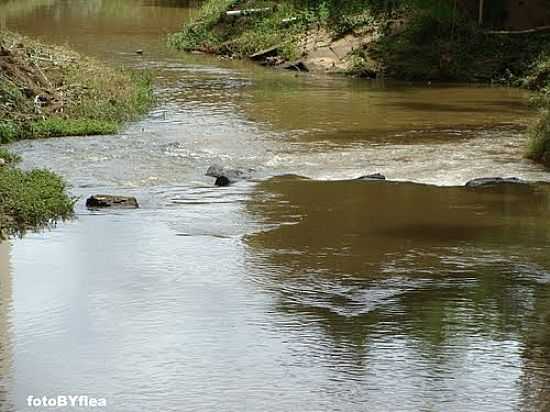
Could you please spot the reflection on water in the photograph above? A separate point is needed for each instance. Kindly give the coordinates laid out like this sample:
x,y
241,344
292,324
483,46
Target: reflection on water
x,y
372,221
346,110
444,290
99,27
282,293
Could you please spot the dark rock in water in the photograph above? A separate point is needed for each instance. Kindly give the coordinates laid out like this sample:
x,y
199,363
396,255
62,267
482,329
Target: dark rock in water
x,y
222,181
225,176
374,176
298,66
102,201
493,181
139,51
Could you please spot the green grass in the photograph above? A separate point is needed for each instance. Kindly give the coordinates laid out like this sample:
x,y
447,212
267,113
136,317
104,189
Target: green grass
x,y
97,99
30,200
538,147
212,32
8,157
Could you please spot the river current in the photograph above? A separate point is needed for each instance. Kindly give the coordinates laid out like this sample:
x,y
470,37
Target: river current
x,y
302,289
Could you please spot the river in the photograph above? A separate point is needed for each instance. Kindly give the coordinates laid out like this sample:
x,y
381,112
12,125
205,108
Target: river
x,y
301,290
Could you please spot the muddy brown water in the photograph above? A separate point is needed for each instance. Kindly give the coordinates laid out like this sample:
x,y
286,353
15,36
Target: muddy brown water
x,y
300,290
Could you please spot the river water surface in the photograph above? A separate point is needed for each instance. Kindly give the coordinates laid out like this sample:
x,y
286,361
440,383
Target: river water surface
x,y
301,290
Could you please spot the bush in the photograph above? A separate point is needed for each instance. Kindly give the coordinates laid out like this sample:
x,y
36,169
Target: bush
x,y
538,148
31,200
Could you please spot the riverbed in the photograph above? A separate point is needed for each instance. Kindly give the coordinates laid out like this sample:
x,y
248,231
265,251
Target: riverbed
x,y
302,289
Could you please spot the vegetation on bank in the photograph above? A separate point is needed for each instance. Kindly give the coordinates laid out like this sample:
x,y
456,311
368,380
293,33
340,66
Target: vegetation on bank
x,y
48,91
30,200
411,40
539,134
403,39
266,24
213,32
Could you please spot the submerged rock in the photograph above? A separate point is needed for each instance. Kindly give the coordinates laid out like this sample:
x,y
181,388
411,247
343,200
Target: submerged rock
x,y
373,176
297,66
225,176
103,201
493,181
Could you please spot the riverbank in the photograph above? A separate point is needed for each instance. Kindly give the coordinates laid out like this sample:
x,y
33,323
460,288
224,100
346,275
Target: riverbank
x,y
48,91
30,200
539,133
357,39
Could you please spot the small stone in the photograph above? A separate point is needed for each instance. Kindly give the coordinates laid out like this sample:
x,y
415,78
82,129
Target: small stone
x,y
298,66
493,181
374,176
225,176
222,181
108,201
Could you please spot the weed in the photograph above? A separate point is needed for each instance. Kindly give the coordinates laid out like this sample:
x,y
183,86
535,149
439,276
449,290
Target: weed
x,y
31,200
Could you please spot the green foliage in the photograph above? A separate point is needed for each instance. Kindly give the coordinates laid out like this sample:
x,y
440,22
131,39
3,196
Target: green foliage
x,y
31,200
450,47
538,148
538,77
9,157
111,97
212,31
198,34
324,12
9,131
56,127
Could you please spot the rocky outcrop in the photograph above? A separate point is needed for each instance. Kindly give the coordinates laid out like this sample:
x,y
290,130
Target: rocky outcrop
x,y
226,176
108,201
494,181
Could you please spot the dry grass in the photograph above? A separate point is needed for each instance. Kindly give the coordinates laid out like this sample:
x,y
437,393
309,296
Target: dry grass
x,y
53,91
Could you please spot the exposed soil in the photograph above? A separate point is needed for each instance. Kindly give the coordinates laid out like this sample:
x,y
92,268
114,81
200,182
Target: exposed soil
x,y
31,78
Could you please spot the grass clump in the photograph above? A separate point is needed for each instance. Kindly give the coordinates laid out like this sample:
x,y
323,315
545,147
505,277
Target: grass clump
x,y
9,158
48,91
30,200
538,147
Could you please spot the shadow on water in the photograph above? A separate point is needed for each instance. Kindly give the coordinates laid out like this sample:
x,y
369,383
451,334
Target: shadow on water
x,y
404,277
